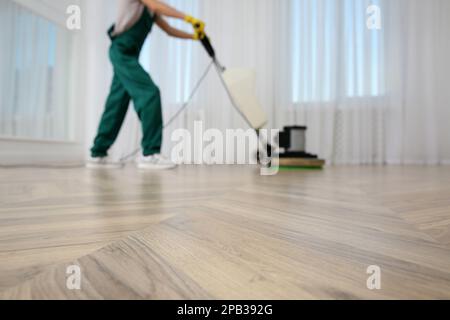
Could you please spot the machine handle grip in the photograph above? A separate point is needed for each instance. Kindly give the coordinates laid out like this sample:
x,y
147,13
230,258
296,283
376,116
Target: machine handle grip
x,y
208,47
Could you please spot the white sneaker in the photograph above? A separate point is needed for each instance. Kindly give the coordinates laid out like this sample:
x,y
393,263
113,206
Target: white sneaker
x,y
103,163
155,162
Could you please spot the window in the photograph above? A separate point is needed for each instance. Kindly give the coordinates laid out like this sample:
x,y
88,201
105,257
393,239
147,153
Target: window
x,y
34,75
334,54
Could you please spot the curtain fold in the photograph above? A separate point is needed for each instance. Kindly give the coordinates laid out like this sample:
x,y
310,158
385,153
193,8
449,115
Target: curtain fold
x,y
417,43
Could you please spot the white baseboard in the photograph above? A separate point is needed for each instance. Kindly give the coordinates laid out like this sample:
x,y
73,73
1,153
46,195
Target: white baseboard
x,y
409,162
34,153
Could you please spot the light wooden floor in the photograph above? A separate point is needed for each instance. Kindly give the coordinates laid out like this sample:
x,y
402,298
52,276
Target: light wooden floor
x,y
225,233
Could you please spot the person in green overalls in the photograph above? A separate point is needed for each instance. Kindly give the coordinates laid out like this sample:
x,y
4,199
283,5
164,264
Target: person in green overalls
x,y
131,82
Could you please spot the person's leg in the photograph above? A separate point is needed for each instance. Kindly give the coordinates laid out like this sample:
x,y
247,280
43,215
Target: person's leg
x,y
147,101
112,119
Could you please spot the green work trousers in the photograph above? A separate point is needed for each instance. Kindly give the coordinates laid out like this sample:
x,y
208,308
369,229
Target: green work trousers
x,y
130,82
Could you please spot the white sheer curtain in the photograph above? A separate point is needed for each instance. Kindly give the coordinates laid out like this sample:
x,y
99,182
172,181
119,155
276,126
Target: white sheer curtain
x,y
336,79
367,96
418,47
371,96
34,63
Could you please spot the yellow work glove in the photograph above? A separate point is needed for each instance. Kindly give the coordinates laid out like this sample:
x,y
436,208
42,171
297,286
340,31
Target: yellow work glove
x,y
198,36
198,25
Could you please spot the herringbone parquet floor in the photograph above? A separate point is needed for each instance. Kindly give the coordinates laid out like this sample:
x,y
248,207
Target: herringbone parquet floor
x,y
225,233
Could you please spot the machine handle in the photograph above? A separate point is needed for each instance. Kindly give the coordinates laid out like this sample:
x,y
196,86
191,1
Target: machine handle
x,y
208,47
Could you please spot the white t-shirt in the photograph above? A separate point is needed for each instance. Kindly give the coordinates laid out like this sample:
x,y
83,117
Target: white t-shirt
x,y
128,13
